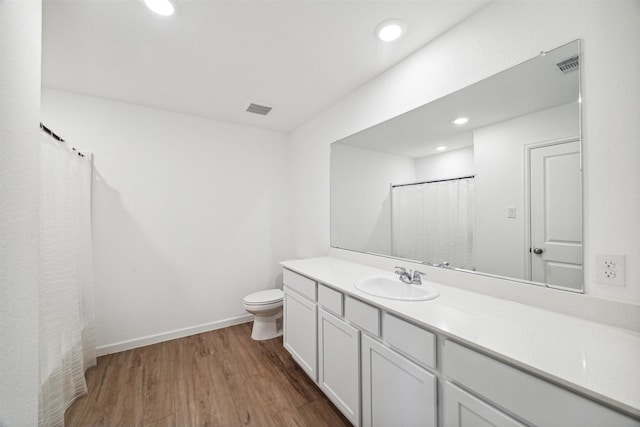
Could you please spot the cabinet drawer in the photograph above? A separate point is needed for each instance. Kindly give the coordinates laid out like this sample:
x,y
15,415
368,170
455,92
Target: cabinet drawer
x,y
302,285
330,299
363,315
530,398
410,339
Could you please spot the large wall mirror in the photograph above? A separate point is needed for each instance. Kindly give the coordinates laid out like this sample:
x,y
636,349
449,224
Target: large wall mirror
x,y
499,193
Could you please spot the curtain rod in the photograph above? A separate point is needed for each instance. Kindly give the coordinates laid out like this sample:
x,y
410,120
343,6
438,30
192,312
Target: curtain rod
x,y
431,182
50,132
56,137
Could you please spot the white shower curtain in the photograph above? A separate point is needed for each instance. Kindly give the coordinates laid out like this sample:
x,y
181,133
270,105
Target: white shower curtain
x,y
67,335
434,222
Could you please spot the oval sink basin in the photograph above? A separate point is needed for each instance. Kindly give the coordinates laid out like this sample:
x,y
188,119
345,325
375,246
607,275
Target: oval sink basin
x,y
392,288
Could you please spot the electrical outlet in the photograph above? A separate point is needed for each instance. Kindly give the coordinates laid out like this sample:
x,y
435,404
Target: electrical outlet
x,y
610,269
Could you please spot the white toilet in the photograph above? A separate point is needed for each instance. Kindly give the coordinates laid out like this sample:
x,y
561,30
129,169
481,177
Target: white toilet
x,y
266,307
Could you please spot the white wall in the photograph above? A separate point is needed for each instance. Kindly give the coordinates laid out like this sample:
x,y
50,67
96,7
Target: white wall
x,y
20,47
190,215
449,164
500,164
499,36
362,180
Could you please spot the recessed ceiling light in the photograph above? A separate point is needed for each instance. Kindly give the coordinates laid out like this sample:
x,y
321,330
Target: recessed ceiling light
x,y
460,120
390,30
161,7
441,148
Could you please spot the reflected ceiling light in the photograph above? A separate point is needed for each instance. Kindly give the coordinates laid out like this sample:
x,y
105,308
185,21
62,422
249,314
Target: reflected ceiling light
x,y
441,148
460,120
161,7
390,30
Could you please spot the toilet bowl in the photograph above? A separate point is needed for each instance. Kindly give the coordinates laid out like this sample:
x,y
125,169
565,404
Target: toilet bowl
x,y
266,307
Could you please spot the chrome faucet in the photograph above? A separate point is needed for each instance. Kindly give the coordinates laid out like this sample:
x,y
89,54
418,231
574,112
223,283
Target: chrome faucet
x,y
405,276
409,277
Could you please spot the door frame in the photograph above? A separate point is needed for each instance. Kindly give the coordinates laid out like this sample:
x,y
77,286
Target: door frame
x,y
527,206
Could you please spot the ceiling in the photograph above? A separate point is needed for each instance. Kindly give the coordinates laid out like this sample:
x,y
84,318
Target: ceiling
x,y
532,86
214,57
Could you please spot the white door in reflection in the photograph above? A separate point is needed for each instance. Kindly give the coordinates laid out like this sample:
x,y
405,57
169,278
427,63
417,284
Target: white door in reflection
x,y
556,215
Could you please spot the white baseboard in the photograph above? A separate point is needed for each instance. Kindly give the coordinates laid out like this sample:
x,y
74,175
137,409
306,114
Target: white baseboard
x,y
170,335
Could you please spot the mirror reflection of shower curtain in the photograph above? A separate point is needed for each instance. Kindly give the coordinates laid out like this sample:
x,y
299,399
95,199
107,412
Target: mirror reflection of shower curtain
x,y
434,222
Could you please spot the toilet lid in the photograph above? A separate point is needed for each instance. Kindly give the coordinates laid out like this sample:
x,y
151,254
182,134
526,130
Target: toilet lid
x,y
264,297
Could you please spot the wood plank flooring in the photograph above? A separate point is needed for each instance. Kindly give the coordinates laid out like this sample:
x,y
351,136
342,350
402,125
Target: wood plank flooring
x,y
218,378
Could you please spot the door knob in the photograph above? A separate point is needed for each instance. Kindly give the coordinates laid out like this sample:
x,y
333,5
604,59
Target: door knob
x,y
538,251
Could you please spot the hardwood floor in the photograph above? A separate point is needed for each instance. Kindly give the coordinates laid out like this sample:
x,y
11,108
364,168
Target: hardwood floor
x,y
218,378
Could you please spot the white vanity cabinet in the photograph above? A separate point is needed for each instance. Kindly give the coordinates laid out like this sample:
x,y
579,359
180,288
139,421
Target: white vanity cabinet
x,y
390,363
299,321
338,364
462,409
364,316
373,383
414,342
501,389
395,391
338,354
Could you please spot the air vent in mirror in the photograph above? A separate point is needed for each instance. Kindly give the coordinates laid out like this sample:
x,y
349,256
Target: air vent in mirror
x,y
569,65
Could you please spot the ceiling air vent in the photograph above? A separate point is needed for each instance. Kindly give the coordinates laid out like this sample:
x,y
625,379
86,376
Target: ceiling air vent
x,y
259,109
569,65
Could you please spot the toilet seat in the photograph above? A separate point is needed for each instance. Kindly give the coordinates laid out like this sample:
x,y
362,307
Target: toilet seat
x,y
267,297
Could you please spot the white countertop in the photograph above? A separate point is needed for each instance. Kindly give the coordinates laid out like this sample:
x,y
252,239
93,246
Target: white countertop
x,y
597,360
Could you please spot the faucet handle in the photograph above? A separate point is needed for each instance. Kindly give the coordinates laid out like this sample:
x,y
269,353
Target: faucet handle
x,y
400,270
416,279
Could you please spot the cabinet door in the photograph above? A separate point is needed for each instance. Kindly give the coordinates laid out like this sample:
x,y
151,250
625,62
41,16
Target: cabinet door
x,y
339,364
532,399
299,322
464,410
395,391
